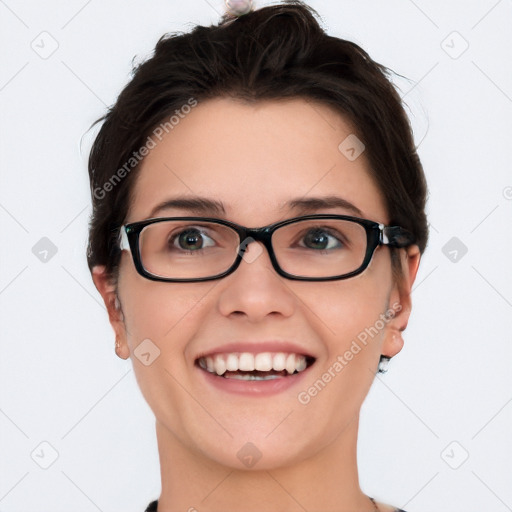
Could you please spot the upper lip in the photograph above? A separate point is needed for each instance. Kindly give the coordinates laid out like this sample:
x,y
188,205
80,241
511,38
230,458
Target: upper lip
x,y
256,347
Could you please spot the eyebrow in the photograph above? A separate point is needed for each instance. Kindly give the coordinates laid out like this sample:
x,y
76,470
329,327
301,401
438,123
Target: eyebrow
x,y
200,205
305,205
205,206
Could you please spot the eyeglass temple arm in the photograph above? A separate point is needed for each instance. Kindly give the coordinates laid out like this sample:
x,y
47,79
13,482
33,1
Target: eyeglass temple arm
x,y
395,236
123,239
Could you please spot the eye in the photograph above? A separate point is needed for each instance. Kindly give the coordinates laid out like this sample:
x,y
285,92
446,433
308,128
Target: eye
x,y
322,239
191,239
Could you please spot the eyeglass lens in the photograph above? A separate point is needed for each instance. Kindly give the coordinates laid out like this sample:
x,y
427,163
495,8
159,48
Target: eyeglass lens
x,y
197,249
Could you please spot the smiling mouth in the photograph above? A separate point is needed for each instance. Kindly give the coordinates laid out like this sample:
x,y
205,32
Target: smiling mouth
x,y
261,366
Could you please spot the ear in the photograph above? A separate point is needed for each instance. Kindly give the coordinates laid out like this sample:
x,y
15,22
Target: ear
x,y
400,301
108,292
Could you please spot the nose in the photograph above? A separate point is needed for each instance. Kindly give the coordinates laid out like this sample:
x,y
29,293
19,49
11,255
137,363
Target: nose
x,y
255,290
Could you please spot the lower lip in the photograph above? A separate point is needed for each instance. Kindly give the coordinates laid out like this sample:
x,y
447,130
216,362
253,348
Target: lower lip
x,y
253,387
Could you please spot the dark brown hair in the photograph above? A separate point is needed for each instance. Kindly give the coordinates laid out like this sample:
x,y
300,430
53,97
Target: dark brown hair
x,y
271,53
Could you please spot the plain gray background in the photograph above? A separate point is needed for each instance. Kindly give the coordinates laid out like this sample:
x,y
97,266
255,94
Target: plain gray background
x,y
435,430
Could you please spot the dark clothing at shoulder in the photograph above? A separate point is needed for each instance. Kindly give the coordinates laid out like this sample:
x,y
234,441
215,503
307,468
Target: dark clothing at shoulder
x,y
152,507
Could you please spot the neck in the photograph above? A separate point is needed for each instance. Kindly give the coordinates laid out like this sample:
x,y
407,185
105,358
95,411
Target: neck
x,y
326,481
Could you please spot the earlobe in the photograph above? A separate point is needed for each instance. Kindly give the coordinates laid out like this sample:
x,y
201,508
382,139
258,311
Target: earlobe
x,y
393,344
122,350
109,295
409,261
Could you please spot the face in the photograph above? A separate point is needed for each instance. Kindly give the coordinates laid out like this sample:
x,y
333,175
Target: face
x,y
254,160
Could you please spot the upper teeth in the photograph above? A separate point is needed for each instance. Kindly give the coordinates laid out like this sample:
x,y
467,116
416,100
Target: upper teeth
x,y
247,362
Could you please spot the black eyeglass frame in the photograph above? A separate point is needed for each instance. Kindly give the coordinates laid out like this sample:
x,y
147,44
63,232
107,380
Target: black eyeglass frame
x,y
376,235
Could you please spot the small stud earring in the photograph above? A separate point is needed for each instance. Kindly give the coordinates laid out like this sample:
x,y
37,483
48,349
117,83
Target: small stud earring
x,y
383,364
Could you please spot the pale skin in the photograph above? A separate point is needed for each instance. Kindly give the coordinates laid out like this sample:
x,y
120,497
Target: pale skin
x,y
254,158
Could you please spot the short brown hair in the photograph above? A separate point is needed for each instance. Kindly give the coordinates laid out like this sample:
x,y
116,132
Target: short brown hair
x,y
271,53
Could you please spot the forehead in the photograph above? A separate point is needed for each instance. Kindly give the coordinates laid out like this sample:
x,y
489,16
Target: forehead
x,y
254,159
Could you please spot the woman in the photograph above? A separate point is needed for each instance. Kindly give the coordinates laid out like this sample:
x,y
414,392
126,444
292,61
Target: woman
x,y
255,348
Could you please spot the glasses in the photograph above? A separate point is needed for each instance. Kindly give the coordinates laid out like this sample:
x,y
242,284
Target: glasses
x,y
308,248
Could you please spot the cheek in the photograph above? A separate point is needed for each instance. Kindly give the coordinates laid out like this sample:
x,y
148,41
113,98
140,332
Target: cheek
x,y
161,319
345,309
347,317
165,313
